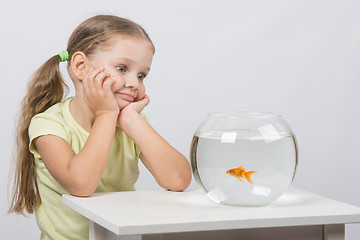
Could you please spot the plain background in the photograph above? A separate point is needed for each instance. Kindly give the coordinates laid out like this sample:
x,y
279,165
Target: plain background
x,y
297,58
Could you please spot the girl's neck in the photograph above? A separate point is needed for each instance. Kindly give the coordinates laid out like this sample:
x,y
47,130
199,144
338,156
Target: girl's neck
x,y
82,113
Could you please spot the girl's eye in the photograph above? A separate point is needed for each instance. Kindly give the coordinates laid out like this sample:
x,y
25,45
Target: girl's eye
x,y
121,68
141,76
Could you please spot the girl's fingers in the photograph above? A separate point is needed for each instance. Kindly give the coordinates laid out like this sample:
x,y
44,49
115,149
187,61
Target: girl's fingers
x,y
145,101
85,81
108,84
88,80
100,79
97,86
95,78
141,104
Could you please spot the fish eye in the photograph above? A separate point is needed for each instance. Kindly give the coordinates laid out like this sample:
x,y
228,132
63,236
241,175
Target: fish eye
x,y
121,68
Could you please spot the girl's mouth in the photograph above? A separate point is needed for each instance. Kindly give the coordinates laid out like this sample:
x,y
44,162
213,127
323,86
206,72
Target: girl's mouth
x,y
126,96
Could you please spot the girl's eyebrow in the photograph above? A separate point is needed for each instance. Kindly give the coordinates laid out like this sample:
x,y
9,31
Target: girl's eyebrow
x,y
124,59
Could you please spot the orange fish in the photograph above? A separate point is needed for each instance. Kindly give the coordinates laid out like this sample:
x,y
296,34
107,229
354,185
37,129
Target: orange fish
x,y
240,173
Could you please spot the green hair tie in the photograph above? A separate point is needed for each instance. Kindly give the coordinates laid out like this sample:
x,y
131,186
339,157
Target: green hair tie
x,y
64,55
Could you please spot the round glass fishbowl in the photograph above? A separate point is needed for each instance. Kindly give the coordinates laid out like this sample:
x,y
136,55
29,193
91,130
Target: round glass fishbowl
x,y
244,158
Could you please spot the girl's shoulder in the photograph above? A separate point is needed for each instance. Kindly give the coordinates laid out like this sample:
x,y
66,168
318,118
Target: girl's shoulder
x,y
55,120
57,111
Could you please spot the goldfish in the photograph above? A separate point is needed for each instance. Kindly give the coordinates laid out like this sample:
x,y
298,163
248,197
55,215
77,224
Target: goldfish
x,y
240,173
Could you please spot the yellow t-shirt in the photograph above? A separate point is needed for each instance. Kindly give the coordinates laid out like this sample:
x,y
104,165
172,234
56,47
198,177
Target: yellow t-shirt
x,y
55,220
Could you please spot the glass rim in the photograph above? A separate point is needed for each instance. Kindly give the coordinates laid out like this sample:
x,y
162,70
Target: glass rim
x,y
244,114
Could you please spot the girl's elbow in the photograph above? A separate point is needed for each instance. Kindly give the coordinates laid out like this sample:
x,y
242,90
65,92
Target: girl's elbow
x,y
81,193
81,189
179,187
180,182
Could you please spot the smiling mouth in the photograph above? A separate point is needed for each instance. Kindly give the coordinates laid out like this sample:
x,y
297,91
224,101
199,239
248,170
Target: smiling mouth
x,y
126,96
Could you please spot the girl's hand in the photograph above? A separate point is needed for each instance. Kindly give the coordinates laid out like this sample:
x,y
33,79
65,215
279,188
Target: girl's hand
x,y
131,109
97,91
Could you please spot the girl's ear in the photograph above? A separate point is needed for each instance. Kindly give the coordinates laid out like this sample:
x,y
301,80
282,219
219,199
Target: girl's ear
x,y
78,65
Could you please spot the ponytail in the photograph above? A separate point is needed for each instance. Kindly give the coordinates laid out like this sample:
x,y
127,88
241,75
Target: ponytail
x,y
44,90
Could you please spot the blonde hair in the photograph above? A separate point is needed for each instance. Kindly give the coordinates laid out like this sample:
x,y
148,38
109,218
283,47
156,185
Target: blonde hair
x,y
46,88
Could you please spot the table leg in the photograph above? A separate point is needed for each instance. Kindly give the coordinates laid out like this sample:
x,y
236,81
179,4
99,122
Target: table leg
x,y
334,232
97,232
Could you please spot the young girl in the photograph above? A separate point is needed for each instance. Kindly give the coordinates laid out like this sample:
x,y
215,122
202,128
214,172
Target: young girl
x,y
90,142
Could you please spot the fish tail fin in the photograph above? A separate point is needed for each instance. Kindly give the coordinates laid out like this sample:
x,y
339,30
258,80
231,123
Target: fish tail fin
x,y
248,174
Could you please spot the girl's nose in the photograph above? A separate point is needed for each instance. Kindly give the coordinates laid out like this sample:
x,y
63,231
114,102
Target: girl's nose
x,y
132,81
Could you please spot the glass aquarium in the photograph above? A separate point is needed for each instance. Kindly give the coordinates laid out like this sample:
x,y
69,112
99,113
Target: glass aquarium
x,y
242,158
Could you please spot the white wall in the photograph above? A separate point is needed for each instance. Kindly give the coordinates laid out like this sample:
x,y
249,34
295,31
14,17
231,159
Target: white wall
x,y
298,58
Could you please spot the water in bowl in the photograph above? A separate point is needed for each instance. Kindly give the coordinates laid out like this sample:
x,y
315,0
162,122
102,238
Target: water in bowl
x,y
273,159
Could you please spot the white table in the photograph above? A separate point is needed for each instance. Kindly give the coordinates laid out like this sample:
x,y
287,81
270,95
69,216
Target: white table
x,y
165,215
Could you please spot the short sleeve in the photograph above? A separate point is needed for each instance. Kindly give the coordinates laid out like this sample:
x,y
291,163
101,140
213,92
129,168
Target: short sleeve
x,y
41,125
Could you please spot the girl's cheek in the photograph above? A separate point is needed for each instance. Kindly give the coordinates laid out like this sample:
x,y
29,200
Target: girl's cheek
x,y
113,86
111,73
138,98
141,94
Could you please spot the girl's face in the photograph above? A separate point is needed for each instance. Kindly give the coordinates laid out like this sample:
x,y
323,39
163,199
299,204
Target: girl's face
x,y
128,60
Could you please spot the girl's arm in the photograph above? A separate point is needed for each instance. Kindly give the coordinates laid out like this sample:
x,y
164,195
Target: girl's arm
x,y
80,174
169,167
